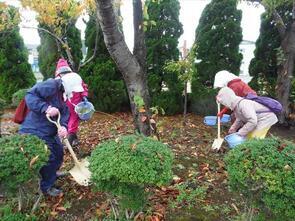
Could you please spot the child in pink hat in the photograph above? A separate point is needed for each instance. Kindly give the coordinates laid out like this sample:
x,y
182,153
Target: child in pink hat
x,y
78,94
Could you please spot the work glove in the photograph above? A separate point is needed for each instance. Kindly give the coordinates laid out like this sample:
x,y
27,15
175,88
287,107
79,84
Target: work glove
x,y
62,132
52,111
84,99
222,112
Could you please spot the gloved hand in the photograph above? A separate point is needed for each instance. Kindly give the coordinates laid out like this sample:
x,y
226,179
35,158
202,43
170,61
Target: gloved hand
x,y
62,132
222,112
84,99
52,111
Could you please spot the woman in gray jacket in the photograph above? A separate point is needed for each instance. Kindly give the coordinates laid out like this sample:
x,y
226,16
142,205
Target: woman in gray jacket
x,y
253,120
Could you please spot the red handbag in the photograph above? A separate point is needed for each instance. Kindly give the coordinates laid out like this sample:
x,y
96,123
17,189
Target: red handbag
x,y
21,112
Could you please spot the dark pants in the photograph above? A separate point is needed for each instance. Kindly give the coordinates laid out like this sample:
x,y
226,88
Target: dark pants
x,y
48,172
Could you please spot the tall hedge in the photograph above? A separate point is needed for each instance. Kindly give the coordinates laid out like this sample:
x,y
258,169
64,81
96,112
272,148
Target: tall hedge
x,y
264,65
107,90
49,53
161,38
15,71
218,37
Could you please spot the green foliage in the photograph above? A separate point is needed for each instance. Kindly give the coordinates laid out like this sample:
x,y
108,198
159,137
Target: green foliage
x,y
106,86
218,37
264,171
268,54
15,70
138,100
7,214
125,166
18,96
21,157
49,52
189,196
203,99
161,39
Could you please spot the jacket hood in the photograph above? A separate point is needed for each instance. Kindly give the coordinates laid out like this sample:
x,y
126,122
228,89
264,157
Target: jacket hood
x,y
222,78
72,82
227,97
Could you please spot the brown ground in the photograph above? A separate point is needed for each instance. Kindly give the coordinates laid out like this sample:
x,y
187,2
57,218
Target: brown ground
x,y
195,164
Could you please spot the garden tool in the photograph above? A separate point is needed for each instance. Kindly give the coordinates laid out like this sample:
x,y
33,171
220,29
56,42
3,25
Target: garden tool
x,y
217,142
80,171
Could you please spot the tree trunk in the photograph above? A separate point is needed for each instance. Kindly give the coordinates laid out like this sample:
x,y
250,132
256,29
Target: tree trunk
x,y
185,104
139,49
285,73
133,73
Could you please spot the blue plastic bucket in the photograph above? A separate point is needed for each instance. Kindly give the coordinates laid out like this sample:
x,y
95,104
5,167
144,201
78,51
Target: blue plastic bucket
x,y
210,120
84,110
234,140
225,118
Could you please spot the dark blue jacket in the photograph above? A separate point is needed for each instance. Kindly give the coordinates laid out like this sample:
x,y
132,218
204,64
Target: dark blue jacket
x,y
38,98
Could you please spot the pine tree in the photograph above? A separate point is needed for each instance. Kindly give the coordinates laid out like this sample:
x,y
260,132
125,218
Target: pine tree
x,y
218,36
106,86
264,65
50,52
15,71
161,38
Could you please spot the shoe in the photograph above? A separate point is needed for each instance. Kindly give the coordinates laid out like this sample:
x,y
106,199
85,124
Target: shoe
x,y
52,191
73,139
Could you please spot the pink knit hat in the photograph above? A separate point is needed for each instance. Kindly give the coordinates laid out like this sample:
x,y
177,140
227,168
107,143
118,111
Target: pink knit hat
x,y
62,67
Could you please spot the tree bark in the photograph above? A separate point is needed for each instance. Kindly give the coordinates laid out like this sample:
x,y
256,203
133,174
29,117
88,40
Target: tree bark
x,y
132,71
285,73
139,49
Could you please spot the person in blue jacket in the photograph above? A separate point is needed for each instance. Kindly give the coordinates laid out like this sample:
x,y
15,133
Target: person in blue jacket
x,y
46,98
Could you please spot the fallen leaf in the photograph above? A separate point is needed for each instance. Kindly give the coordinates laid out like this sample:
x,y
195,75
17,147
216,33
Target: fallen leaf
x,y
33,160
61,208
143,118
53,213
141,110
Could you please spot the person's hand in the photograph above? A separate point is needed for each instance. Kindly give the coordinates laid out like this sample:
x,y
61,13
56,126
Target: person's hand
x,y
62,132
222,112
231,131
52,111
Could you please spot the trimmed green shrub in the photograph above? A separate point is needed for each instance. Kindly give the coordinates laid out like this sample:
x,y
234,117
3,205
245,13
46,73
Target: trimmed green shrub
x,y
218,37
203,99
18,96
161,37
264,171
21,157
7,214
15,71
125,166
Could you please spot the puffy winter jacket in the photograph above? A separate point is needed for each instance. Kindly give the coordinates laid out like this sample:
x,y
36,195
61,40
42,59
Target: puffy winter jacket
x,y
38,98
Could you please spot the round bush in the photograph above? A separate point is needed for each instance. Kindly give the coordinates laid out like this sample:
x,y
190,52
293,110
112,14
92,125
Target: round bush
x,y
18,96
264,170
126,165
21,157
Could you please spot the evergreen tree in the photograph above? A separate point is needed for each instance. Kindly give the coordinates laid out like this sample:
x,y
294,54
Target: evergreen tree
x,y
50,52
162,41
15,71
106,86
264,65
218,36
